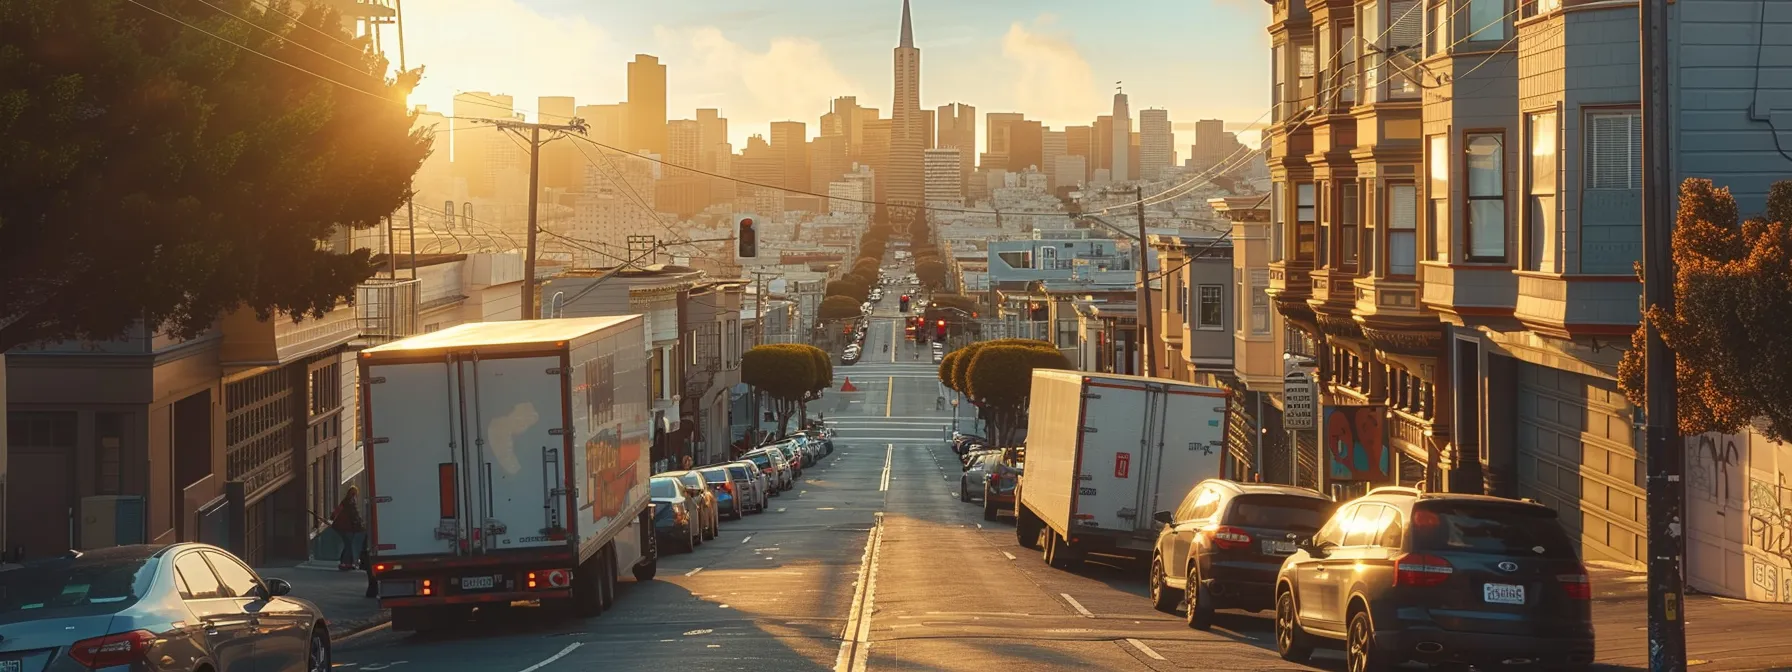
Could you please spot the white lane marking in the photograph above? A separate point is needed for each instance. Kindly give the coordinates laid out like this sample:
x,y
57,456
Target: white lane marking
x,y
749,538
824,508
562,654
1010,555
855,640
782,509
694,633
979,526
1078,606
1144,649
693,572
889,452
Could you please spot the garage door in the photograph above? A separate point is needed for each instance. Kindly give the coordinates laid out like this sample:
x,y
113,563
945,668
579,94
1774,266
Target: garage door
x,y
1577,453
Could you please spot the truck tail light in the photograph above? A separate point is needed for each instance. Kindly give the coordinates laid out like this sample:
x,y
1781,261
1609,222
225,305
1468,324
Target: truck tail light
x,y
1421,570
1227,537
426,588
1578,585
548,579
122,648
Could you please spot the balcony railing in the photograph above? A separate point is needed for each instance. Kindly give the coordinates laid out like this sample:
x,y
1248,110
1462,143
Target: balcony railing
x,y
387,309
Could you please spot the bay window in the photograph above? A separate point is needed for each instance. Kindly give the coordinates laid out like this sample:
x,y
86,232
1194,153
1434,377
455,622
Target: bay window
x,y
1275,82
1406,37
1486,20
1305,216
1540,216
1402,229
1211,314
1347,47
1615,150
1308,69
1277,210
1437,39
1437,188
1369,20
1348,212
1485,222
1259,302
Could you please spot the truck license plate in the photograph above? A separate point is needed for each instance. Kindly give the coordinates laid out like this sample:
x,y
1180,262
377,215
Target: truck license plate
x,y
11,665
1278,547
470,583
1502,593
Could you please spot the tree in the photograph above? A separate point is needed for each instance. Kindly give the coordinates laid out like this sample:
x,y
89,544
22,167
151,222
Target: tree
x,y
848,286
151,172
866,266
946,367
1732,293
787,374
822,370
1000,380
839,308
931,272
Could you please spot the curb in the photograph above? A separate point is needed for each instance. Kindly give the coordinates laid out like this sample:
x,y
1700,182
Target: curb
x,y
355,629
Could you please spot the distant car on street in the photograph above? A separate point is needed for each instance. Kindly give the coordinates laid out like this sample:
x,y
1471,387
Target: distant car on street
x,y
730,496
709,518
775,467
675,515
758,488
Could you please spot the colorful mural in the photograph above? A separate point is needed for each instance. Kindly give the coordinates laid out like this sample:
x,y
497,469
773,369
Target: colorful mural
x,y
1356,444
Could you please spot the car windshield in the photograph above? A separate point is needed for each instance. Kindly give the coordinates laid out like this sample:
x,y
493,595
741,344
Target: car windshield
x,y
761,460
91,585
1491,528
1289,512
716,475
691,479
664,488
738,472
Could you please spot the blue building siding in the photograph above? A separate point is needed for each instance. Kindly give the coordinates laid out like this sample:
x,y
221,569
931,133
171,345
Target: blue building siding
x,y
1732,94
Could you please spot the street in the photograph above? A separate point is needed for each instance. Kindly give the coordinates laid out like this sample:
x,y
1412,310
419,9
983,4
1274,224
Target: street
x,y
872,562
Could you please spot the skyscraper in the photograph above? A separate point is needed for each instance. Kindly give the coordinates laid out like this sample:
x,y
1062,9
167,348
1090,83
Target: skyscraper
x,y
997,128
1026,146
1122,141
712,133
945,183
1157,143
476,144
646,105
790,142
561,166
905,167
609,124
682,142
1078,141
1055,148
1101,146
958,130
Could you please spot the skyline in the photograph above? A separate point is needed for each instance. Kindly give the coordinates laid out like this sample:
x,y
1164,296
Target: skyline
x,y
759,65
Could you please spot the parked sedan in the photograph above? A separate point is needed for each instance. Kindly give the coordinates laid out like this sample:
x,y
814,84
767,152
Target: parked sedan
x,y
709,511
792,456
752,484
674,515
976,467
730,496
1221,548
771,462
155,608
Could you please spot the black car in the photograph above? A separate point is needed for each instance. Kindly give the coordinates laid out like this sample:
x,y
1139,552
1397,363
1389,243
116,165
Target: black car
x,y
1222,548
1401,575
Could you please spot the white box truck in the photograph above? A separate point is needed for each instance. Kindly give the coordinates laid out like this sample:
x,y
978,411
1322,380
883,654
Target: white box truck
x,y
1103,452
507,461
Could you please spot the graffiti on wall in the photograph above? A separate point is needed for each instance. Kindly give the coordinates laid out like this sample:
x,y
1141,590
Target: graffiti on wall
x,y
1739,516
1356,444
1770,517
1712,468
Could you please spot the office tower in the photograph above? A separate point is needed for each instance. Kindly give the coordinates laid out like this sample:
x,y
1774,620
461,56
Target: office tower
x,y
1078,141
759,164
876,153
476,144
957,129
1132,155
904,178
560,161
712,133
608,124
1054,150
997,128
1213,145
1026,145
945,182
790,142
683,139
1101,146
1122,139
827,161
1157,143
927,133
647,105
1072,170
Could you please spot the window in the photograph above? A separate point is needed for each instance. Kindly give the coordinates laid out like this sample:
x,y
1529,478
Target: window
x,y
1402,206
1369,21
1308,69
1615,150
1437,39
1327,71
1363,528
1393,531
1347,47
236,578
196,578
1259,302
1304,215
1348,213
1067,336
1205,505
1486,20
1491,528
1485,168
1181,307
1539,7
1275,81
1213,310
1437,187
1334,529
1277,210
1406,37
1540,217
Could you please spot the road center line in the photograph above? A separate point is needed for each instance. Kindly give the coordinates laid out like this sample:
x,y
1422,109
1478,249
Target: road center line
x,y
855,640
889,451
693,572
889,395
1144,649
747,539
562,654
1078,606
1009,555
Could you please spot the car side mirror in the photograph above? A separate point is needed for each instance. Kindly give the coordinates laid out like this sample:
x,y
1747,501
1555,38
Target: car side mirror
x,y
1163,517
278,588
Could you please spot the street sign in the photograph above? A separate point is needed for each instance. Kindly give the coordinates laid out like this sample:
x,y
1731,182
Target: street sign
x,y
1298,408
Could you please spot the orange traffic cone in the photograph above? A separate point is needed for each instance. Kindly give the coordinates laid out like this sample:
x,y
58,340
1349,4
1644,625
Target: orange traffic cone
x,y
847,386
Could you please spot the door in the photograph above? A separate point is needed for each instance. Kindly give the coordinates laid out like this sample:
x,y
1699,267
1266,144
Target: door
x,y
1186,437
1359,556
1194,515
1113,461
282,630
226,624
1313,576
413,460
518,482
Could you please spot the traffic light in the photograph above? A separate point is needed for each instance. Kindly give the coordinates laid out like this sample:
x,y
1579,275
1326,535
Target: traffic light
x,y
747,238
942,329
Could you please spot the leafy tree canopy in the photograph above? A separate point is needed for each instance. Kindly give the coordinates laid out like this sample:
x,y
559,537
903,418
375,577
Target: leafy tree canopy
x,y
946,367
823,369
149,171
1000,379
931,272
848,286
784,371
839,308
1732,293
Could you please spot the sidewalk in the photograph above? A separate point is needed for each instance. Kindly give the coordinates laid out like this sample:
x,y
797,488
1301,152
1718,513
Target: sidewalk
x,y
1721,633
341,595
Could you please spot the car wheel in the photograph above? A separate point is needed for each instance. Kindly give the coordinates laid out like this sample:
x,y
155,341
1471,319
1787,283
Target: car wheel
x,y
606,578
708,530
1026,527
1360,654
649,566
1197,600
690,542
318,659
964,491
587,587
1163,597
1291,641
990,510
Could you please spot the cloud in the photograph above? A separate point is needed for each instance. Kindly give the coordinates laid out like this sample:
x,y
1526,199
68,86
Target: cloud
x,y
1055,82
792,78
512,49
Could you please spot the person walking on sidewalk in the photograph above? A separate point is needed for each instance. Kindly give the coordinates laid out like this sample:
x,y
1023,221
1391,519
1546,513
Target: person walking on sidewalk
x,y
347,523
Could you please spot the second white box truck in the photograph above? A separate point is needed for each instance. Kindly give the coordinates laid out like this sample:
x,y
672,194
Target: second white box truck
x,y
1104,451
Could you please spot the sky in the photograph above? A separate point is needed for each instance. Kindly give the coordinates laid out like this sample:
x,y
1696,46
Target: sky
x,y
760,61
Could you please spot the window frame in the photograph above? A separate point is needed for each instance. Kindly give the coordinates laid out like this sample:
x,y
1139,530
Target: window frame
x,y
1350,211
1437,197
1306,231
1278,244
1218,297
1492,32
1469,199
1539,239
184,585
1588,178
1388,232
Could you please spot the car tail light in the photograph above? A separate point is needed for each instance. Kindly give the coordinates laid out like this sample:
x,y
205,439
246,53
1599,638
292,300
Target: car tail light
x,y
1228,537
123,648
1419,569
680,516
1578,585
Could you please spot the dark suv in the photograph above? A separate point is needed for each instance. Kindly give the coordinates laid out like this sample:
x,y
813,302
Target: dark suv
x,y
1222,547
1401,575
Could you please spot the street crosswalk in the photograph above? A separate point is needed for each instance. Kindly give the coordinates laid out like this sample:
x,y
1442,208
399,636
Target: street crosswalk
x,y
859,430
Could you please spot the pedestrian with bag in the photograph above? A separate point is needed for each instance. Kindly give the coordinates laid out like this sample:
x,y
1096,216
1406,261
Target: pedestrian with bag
x,y
346,521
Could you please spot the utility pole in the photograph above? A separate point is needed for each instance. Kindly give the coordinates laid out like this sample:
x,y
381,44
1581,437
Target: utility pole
x,y
535,143
1145,321
1666,488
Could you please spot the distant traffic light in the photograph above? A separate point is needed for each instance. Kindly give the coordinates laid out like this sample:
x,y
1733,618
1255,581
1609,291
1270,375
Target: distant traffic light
x,y
747,237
